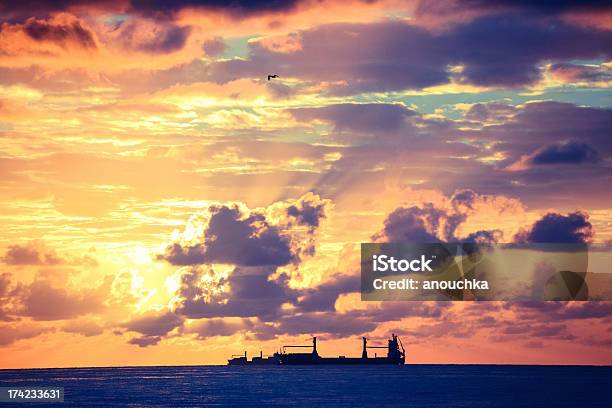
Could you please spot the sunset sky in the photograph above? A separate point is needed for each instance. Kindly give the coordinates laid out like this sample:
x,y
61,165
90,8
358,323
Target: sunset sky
x,y
162,202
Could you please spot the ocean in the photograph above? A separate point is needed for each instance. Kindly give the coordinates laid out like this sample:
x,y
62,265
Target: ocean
x,y
332,386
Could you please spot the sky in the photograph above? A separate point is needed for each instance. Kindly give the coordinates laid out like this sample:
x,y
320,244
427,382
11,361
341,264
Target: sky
x,y
162,202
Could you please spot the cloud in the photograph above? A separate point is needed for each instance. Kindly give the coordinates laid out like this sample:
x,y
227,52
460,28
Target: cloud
x,y
395,56
360,118
334,324
7,297
235,8
508,137
51,35
430,222
41,301
256,243
158,9
429,7
152,326
492,112
250,241
33,253
234,235
561,311
214,46
65,30
307,211
246,292
46,300
570,152
359,321
234,239
412,224
391,56
557,228
87,328
484,237
37,253
323,297
587,310
145,341
205,328
10,333
579,73
153,38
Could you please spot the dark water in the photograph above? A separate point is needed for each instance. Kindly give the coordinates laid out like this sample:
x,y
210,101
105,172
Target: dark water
x,y
392,386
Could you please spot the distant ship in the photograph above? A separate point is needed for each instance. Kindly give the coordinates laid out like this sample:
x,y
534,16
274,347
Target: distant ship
x,y
394,356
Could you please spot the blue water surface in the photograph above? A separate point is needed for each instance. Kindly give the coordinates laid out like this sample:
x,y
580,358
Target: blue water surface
x,y
332,386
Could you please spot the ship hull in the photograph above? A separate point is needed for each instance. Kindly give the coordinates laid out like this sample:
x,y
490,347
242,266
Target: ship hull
x,y
291,360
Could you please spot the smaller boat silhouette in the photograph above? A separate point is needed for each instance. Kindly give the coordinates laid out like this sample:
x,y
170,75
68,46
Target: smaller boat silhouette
x,y
395,356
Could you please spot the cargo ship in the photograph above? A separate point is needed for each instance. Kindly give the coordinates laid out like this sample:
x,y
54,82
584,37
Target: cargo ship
x,y
396,355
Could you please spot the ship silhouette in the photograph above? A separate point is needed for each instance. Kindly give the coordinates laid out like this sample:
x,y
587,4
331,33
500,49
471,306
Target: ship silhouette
x,y
396,355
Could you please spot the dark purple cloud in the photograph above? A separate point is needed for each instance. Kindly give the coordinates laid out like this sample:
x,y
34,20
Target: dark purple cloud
x,y
360,118
164,38
152,327
230,238
551,121
390,56
206,328
214,46
145,341
181,255
501,50
586,310
342,324
510,47
236,8
558,228
247,292
154,324
324,296
332,323
412,224
159,9
484,237
448,156
243,8
308,211
563,131
534,7
430,224
71,32
558,312
570,152
63,32
234,237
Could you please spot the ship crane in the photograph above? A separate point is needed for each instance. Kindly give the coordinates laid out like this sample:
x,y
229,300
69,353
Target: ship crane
x,y
364,353
314,346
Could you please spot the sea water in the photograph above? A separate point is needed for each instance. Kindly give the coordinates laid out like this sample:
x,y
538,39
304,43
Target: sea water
x,y
331,386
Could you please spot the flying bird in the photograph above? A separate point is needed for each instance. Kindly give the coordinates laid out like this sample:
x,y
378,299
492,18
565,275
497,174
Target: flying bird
x,y
272,76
